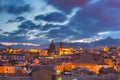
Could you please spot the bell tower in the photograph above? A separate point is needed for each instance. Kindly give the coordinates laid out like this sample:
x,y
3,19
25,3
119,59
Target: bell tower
x,y
60,48
52,48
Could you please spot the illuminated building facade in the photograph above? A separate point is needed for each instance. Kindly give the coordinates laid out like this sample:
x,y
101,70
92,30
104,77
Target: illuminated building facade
x,y
7,69
64,51
85,61
43,52
105,48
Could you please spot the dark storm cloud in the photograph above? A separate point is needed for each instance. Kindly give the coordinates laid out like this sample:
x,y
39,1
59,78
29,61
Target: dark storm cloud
x,y
16,36
24,31
14,6
28,25
17,19
19,10
90,25
61,32
114,3
19,35
13,39
47,27
99,16
39,17
52,17
56,32
0,8
6,32
19,39
67,5
0,29
93,18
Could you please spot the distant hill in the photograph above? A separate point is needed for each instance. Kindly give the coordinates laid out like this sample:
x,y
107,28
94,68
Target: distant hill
x,y
3,46
108,41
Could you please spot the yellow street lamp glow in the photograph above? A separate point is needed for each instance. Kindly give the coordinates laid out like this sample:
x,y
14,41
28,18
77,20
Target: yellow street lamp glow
x,y
58,72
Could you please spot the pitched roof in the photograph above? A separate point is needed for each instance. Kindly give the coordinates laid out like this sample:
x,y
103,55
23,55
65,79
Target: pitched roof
x,y
43,67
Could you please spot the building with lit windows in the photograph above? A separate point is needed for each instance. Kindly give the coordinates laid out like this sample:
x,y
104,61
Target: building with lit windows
x,y
105,48
64,51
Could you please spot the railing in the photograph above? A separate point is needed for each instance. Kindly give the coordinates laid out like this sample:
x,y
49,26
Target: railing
x,y
92,78
15,78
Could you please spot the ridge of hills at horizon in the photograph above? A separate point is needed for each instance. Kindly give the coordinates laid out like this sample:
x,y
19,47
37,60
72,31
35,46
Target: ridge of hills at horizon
x,y
107,41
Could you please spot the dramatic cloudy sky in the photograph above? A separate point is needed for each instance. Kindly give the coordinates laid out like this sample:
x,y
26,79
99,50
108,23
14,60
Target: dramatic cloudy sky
x,y
38,21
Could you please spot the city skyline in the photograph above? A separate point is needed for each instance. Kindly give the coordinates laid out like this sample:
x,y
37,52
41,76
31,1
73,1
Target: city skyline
x,y
38,21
